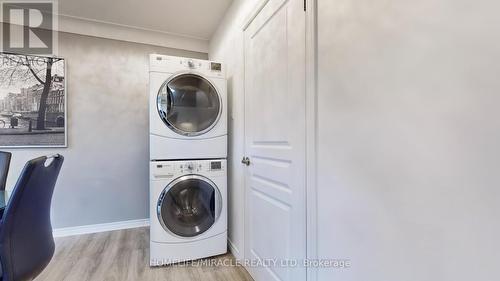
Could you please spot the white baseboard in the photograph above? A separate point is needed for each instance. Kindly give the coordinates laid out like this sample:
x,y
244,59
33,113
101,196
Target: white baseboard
x,y
234,250
96,228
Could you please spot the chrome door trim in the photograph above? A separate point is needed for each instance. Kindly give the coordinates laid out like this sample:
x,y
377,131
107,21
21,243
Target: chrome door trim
x,y
218,202
170,125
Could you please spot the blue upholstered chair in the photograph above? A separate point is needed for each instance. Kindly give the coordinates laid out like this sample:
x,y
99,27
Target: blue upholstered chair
x,y
26,241
4,168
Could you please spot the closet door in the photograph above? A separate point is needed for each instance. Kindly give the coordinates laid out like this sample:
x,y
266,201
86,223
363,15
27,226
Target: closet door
x,y
275,223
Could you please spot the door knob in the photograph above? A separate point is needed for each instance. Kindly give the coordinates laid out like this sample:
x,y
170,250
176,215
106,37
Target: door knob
x,y
245,161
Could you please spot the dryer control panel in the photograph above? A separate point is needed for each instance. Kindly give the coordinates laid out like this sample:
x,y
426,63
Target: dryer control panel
x,y
174,169
170,64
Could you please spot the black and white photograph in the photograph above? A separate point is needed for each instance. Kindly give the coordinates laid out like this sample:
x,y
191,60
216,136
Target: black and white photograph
x,y
32,101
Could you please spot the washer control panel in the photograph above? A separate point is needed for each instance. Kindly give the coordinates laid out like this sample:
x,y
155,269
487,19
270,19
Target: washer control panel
x,y
171,169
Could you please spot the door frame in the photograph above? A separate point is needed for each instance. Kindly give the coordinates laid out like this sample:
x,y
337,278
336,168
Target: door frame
x,y
311,128
311,135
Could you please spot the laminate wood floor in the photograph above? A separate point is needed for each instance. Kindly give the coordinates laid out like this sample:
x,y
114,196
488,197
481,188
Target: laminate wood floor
x,y
124,255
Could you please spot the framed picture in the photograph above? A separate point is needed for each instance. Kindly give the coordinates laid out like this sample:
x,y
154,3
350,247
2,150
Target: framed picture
x,y
33,109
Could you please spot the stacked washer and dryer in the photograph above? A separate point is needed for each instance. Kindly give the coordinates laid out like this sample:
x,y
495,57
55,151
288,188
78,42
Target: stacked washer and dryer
x,y
188,149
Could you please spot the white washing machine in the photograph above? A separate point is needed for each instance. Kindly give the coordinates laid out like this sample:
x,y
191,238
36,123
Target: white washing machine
x,y
188,210
188,109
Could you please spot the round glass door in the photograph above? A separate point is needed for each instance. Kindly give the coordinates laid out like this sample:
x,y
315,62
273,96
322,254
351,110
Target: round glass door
x,y
189,206
189,104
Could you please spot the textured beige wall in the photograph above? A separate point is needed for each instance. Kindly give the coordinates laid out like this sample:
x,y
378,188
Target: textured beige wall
x,y
105,174
409,135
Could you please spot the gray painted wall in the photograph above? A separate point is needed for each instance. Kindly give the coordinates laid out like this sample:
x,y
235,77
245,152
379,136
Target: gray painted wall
x,y
409,139
105,174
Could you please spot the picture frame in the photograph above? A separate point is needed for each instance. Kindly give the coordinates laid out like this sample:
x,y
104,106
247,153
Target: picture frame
x,y
25,100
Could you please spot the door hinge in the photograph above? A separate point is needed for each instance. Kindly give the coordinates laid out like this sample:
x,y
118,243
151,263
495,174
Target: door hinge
x,y
305,5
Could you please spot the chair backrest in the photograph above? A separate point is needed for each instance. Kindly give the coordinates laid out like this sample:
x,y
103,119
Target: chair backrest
x,y
4,168
26,241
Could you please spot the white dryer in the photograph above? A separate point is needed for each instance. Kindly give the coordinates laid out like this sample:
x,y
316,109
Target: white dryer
x,y
188,109
188,210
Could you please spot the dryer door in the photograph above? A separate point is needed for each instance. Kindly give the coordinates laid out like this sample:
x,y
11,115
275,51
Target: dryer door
x,y
189,206
189,104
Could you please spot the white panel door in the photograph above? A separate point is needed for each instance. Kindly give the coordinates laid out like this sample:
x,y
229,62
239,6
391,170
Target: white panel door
x,y
275,222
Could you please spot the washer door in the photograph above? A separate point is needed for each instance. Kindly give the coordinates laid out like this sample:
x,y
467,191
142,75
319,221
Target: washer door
x,y
189,104
189,206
